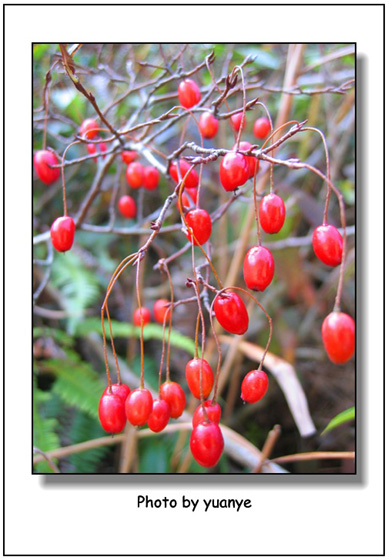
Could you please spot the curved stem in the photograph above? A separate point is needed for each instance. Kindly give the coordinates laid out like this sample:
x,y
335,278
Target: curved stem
x,y
299,165
256,212
141,325
63,176
242,124
189,229
169,320
327,168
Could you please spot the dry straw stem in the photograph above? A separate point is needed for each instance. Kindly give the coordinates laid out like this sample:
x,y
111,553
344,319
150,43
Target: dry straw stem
x,y
287,379
314,456
128,449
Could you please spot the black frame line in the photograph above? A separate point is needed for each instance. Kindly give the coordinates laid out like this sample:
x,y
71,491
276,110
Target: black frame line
x,y
221,475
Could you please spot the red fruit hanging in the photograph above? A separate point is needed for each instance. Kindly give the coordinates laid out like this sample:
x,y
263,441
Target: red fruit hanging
x,y
261,128
338,336
173,394
328,244
127,206
213,413
99,148
138,406
160,415
272,213
42,160
135,175
193,377
231,312
111,412
141,314
62,233
234,171
120,389
151,178
236,121
254,386
201,224
161,311
207,444
192,178
89,129
258,268
128,156
253,163
208,125
188,93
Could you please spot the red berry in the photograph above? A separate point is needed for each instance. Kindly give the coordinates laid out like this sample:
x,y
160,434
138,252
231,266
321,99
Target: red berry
x,y
188,93
234,171
328,244
254,386
99,148
160,415
42,160
111,412
253,163
193,377
231,312
208,125
261,128
161,311
173,394
338,336
135,175
128,156
151,178
213,412
141,314
192,178
120,389
207,444
89,129
201,224
186,203
138,406
127,206
258,268
236,121
62,233
272,213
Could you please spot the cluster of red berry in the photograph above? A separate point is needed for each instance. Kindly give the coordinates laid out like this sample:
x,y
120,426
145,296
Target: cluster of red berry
x,y
118,403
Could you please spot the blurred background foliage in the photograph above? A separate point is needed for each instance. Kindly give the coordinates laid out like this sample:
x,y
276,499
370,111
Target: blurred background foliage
x,y
68,373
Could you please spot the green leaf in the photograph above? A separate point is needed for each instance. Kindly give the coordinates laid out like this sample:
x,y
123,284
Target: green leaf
x,y
78,286
83,428
341,418
154,457
77,383
45,436
125,330
59,336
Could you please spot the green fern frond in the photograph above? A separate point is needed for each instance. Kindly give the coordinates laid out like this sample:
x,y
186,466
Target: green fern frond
x,y
45,435
77,383
59,336
78,286
85,429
